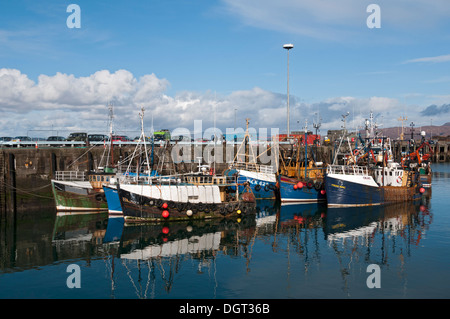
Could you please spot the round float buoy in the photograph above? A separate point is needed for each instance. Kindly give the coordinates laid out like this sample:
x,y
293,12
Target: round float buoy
x,y
322,192
300,185
238,220
164,205
295,186
422,190
238,211
165,213
189,212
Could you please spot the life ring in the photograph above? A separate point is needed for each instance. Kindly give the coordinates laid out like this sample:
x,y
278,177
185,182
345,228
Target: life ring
x,y
223,211
257,187
317,185
171,204
180,207
399,179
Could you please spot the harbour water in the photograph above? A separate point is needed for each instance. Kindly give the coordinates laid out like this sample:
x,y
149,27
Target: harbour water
x,y
286,252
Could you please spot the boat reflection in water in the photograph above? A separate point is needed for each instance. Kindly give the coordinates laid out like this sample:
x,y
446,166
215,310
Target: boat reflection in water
x,y
156,255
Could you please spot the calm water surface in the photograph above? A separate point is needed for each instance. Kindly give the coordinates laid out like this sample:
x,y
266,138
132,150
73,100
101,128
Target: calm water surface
x,y
295,251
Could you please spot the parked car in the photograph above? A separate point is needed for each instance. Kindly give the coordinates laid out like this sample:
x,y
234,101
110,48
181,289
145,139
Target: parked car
x,y
5,140
21,139
56,138
78,136
97,138
120,138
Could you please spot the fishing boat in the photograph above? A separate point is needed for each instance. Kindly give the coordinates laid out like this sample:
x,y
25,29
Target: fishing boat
x,y
301,181
420,158
82,191
261,178
369,176
199,195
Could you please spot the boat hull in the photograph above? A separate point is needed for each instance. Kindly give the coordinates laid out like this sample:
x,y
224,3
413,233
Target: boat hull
x,y
113,200
78,196
341,192
310,192
263,186
141,208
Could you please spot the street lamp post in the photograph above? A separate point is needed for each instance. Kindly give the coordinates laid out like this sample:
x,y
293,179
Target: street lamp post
x,y
288,47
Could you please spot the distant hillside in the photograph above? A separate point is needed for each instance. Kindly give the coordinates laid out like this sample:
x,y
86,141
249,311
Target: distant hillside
x,y
436,131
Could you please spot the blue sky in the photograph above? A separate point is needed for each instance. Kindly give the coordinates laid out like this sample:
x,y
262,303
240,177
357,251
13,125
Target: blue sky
x,y
188,60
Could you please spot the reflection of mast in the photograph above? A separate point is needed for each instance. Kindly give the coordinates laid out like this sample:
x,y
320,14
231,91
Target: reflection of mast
x,y
344,271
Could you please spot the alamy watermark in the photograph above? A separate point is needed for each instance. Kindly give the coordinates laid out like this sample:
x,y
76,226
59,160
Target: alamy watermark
x,y
74,19
261,148
74,279
374,279
374,19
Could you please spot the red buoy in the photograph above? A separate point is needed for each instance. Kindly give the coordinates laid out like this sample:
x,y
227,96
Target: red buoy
x,y
165,230
322,192
164,205
422,190
165,214
300,185
295,186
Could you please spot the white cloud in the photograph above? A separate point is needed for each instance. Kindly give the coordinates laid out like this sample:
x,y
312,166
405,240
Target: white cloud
x,y
66,103
433,59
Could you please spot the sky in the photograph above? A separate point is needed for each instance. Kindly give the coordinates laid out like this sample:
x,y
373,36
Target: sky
x,y
220,62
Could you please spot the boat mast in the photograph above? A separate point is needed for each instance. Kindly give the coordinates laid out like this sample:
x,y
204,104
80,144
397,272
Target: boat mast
x,y
306,148
111,116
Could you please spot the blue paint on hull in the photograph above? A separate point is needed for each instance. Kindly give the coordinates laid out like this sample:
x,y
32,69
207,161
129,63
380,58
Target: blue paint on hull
x,y
113,200
345,193
261,189
304,194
